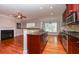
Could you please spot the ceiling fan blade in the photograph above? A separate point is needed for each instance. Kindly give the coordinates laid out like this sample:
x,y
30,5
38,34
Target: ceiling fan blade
x,y
19,15
24,16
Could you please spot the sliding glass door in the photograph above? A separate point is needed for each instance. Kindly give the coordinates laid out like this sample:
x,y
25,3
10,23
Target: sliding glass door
x,y
50,27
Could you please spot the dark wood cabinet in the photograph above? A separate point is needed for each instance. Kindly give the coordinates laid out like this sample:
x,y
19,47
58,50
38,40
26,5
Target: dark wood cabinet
x,y
73,45
60,37
70,9
77,16
73,8
36,44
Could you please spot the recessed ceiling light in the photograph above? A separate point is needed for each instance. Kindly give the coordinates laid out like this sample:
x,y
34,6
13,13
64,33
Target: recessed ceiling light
x,y
51,7
51,13
41,8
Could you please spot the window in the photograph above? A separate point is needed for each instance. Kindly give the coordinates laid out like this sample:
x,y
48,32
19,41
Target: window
x,y
30,25
50,27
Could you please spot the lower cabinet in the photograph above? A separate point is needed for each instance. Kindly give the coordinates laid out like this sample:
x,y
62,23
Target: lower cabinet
x,y
60,37
73,45
35,44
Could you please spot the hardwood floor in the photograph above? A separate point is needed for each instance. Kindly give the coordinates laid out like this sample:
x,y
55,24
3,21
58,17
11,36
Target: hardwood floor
x,y
12,46
15,46
53,46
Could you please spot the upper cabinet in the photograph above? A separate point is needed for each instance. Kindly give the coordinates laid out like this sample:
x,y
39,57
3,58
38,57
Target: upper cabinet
x,y
72,7
71,14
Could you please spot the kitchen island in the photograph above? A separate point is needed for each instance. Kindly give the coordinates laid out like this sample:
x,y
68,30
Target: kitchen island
x,y
34,40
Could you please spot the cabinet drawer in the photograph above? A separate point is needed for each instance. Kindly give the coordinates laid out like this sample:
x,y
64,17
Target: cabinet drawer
x,y
73,46
75,49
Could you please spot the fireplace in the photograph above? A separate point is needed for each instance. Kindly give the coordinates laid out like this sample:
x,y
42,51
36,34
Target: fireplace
x,y
6,34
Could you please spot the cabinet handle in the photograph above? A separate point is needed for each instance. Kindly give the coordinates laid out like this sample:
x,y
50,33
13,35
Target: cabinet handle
x,y
77,42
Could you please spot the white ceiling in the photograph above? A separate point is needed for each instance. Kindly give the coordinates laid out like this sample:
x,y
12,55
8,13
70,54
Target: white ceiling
x,y
33,10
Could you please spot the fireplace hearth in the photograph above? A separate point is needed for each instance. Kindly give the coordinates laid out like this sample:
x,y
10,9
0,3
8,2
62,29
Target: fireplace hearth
x,y
6,34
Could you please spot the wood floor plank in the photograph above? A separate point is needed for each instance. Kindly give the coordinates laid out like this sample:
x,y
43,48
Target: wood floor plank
x,y
54,46
15,46
12,46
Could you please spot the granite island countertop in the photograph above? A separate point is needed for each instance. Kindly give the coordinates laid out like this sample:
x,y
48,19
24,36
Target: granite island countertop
x,y
35,31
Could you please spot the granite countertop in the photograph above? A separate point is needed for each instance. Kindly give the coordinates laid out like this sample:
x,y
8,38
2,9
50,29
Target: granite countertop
x,y
71,33
35,32
74,34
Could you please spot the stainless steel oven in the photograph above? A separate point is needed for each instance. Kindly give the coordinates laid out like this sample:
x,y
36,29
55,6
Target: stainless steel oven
x,y
65,40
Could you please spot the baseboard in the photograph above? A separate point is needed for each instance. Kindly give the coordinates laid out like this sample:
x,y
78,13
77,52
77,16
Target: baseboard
x,y
18,36
25,52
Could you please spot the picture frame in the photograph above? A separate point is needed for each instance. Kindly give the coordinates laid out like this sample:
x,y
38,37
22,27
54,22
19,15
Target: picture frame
x,y
18,25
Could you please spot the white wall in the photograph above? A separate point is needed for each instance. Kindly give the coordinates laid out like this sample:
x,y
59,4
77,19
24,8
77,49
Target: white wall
x,y
57,20
7,22
36,21
50,19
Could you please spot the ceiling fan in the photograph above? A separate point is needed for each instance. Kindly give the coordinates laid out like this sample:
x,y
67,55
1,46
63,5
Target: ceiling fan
x,y
19,15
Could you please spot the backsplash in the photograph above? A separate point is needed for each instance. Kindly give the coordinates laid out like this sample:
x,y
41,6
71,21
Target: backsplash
x,y
72,28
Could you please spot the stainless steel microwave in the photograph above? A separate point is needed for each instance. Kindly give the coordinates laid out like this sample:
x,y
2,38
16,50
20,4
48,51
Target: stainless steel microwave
x,y
71,18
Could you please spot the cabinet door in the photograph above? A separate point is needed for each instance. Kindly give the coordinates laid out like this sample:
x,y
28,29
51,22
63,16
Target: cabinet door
x,y
75,50
77,16
73,45
70,45
72,7
78,12
76,7
60,37
69,9
33,44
